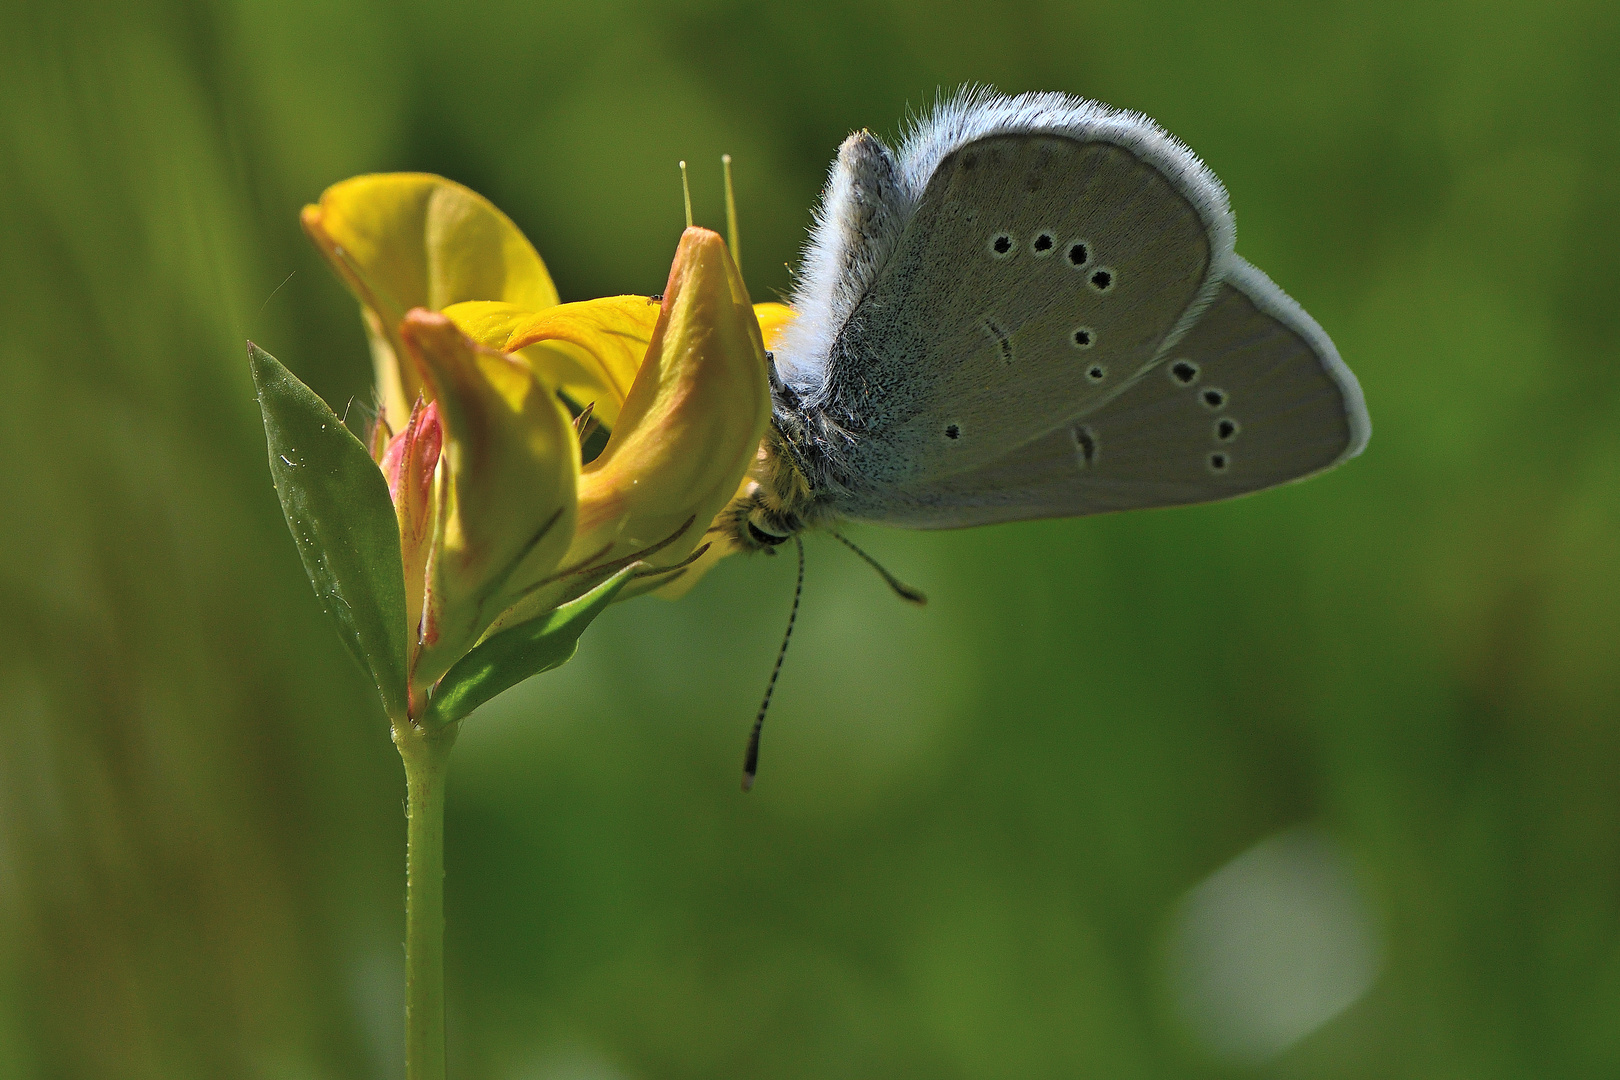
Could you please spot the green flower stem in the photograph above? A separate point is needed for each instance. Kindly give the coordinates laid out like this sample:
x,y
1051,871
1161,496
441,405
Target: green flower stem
x,y
427,757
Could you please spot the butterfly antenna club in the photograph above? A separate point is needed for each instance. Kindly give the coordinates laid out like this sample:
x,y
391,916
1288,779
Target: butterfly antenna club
x,y
751,758
731,214
901,589
686,195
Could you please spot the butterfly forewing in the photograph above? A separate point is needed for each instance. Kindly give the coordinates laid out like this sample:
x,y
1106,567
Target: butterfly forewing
x,y
1252,396
1039,275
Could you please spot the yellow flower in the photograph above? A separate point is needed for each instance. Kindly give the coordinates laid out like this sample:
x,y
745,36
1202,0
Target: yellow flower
x,y
481,373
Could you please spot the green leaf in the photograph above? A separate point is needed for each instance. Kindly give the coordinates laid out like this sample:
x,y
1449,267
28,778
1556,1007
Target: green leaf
x,y
515,654
342,519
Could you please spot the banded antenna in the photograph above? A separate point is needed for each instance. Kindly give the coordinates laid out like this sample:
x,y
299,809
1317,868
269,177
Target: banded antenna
x,y
731,214
751,759
901,589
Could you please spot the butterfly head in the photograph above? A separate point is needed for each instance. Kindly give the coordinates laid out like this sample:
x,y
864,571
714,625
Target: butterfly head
x,y
776,504
759,520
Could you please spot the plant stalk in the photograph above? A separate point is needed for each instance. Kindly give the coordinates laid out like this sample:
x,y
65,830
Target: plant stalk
x,y
426,758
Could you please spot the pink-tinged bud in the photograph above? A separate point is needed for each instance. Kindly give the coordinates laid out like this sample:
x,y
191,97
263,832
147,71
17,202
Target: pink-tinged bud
x,y
410,464
393,452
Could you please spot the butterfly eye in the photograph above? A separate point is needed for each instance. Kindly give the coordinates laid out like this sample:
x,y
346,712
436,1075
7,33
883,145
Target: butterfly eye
x,y
1001,245
1079,254
1214,398
1184,372
1226,429
953,432
1043,244
1219,463
767,539
1083,337
1102,280
1097,373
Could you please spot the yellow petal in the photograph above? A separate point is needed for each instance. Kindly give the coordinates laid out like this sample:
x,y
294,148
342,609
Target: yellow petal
x,y
392,375
507,502
407,240
773,319
691,425
590,351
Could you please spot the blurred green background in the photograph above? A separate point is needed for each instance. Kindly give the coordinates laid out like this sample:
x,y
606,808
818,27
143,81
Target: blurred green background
x,y
992,838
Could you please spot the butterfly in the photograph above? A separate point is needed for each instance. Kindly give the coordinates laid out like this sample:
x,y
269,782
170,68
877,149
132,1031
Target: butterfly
x,y
1033,309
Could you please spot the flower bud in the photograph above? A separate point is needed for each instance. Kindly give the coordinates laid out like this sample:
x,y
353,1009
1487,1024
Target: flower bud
x,y
410,464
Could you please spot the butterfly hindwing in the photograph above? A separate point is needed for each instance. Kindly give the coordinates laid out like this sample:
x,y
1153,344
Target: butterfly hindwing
x,y
1252,396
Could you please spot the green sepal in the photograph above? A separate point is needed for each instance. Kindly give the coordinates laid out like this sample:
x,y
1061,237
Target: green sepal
x,y
342,520
514,654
